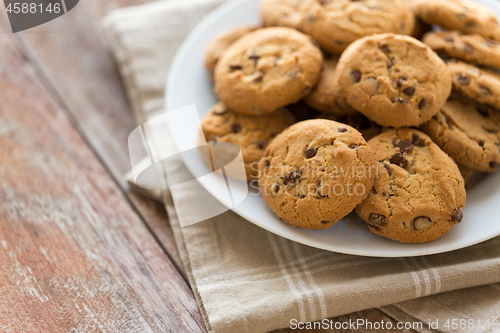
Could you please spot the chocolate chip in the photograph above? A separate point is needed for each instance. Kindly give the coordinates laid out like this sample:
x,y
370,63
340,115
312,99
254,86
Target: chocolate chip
x,y
406,147
422,104
291,178
457,215
390,64
355,76
235,128
401,100
483,110
464,80
401,80
388,168
342,129
485,90
377,220
220,109
417,140
374,191
267,163
494,165
481,143
302,196
325,222
410,91
311,152
277,188
261,144
399,160
449,39
444,57
235,67
421,223
385,48
254,58
384,193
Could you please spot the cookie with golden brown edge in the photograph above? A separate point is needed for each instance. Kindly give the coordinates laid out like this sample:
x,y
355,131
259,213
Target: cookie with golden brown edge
x,y
327,95
471,48
337,23
419,192
316,172
284,13
468,17
267,69
468,132
251,133
479,84
394,80
220,43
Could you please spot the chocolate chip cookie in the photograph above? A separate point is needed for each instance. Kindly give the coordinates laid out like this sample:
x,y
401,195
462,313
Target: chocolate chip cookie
x,y
337,23
251,133
316,172
394,80
468,17
419,192
481,85
468,132
358,121
471,48
327,96
220,43
285,13
267,69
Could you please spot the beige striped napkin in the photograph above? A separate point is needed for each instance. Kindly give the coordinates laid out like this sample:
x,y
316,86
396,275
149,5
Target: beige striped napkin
x,y
246,279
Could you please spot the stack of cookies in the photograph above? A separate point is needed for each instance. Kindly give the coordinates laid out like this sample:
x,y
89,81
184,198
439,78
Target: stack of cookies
x,y
337,106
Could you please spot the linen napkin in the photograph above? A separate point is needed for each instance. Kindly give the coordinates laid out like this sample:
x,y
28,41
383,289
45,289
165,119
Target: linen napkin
x,y
246,279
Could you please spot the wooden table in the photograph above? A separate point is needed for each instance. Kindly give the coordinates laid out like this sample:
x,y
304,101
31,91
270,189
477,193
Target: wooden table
x,y
79,251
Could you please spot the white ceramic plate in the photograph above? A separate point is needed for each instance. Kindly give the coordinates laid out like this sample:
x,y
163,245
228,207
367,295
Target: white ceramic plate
x,y
189,84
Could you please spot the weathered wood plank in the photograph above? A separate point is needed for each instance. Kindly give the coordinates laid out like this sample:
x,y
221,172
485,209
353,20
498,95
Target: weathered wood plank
x,y
74,254
73,57
76,63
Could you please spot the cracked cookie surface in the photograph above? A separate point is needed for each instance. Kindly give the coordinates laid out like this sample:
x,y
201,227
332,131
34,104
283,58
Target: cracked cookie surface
x,y
251,133
419,192
327,95
479,84
315,172
468,132
394,80
472,48
220,43
468,17
337,23
284,13
267,69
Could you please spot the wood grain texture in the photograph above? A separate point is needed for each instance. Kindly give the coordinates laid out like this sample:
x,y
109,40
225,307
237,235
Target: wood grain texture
x,y
74,254
77,68
73,58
